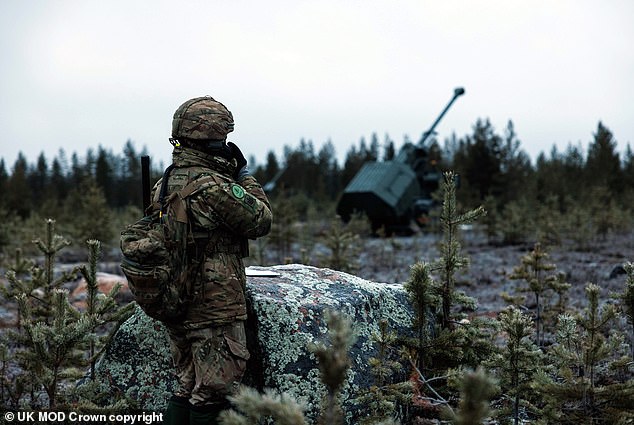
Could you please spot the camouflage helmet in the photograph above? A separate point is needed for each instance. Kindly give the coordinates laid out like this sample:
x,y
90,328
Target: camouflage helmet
x,y
202,118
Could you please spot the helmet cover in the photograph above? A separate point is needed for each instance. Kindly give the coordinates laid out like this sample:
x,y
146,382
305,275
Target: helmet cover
x,y
202,118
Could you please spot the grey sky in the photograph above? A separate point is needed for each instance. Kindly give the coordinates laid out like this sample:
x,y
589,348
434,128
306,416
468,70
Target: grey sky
x,y
76,74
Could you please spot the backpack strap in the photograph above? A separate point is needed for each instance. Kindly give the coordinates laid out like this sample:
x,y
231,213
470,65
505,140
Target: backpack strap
x,y
179,207
163,191
194,186
180,212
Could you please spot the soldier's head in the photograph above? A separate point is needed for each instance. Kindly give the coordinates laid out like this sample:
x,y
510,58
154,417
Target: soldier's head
x,y
202,123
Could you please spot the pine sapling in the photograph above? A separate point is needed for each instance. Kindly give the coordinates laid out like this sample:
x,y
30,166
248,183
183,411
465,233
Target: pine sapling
x,y
55,340
101,308
444,339
476,390
343,247
519,359
52,351
627,302
582,390
458,341
450,260
333,363
423,293
251,407
595,347
383,397
41,283
533,270
20,265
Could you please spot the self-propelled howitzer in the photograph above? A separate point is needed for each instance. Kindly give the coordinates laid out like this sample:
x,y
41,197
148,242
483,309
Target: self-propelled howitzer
x,y
392,193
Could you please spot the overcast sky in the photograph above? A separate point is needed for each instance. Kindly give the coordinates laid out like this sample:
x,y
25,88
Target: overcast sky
x,y
77,74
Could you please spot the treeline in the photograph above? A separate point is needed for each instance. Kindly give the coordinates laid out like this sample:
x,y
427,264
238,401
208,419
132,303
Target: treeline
x,y
31,186
494,169
80,193
489,163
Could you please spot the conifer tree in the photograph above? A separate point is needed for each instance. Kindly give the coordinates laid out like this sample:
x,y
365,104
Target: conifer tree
x,y
19,266
476,390
423,293
283,233
39,288
52,350
343,246
55,341
537,273
18,196
102,308
251,407
90,213
582,354
596,348
43,312
627,301
516,223
333,363
383,397
518,360
450,260
603,166
445,339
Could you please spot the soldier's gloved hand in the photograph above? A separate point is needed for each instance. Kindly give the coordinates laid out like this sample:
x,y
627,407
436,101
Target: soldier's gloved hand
x,y
241,170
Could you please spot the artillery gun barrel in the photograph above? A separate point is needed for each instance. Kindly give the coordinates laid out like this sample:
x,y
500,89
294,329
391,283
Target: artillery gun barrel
x,y
459,91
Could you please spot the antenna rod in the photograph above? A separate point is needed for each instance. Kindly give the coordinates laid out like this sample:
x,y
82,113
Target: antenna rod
x,y
145,181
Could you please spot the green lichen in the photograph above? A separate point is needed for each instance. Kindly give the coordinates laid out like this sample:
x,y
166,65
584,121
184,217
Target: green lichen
x,y
289,312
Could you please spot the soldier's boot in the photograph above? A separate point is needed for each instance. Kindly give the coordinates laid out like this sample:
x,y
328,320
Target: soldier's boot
x,y
178,411
207,414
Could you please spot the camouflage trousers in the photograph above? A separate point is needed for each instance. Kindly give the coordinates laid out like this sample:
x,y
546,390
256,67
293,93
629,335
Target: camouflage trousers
x,y
209,362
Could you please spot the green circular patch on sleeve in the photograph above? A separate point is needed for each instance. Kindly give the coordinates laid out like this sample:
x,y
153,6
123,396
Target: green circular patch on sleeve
x,y
237,191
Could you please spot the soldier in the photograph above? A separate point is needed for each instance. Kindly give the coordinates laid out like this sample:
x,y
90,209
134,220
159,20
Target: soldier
x,y
209,346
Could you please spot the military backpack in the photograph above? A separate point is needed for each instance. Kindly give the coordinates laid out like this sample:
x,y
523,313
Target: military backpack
x,y
159,253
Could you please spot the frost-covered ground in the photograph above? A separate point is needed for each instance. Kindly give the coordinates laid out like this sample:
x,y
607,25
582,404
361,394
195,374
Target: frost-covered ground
x,y
389,260
490,266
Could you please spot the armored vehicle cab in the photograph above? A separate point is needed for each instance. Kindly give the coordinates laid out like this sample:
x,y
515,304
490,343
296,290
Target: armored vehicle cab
x,y
392,193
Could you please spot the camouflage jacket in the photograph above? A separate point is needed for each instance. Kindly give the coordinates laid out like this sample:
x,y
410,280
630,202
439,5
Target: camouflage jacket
x,y
224,213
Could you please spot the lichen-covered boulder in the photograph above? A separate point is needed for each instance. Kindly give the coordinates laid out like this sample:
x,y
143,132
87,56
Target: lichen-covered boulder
x,y
287,310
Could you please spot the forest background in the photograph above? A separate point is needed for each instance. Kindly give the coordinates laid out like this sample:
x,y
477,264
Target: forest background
x,y
586,190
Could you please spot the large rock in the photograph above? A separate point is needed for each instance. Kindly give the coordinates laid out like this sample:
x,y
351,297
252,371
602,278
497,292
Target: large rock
x,y
286,315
